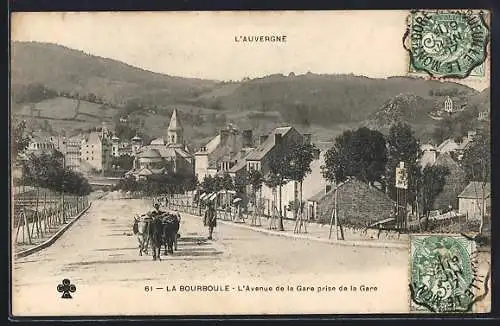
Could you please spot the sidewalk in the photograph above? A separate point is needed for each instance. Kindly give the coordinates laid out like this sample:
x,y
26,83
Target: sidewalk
x,y
51,234
315,232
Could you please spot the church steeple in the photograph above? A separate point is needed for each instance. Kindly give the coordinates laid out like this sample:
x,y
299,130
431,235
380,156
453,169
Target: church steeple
x,y
175,130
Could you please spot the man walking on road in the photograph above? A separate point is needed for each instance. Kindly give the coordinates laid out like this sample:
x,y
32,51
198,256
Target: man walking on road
x,y
210,219
157,211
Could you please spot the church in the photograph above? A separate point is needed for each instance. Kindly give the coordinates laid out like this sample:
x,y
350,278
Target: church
x,y
164,155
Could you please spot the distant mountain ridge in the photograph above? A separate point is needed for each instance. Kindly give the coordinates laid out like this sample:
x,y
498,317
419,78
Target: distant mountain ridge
x,y
64,69
309,100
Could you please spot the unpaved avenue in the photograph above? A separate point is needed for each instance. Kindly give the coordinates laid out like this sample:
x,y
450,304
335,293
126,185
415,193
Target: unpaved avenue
x,y
99,255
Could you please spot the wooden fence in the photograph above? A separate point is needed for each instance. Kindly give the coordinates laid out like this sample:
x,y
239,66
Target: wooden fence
x,y
38,212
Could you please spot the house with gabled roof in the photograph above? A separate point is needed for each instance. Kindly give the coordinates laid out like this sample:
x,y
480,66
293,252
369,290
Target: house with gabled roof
x,y
279,139
454,182
225,152
475,200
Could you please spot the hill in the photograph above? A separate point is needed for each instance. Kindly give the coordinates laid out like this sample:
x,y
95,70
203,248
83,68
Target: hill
x,y
427,114
328,99
66,70
54,78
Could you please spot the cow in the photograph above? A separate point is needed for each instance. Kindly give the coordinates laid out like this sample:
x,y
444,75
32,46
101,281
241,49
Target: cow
x,y
156,236
171,224
141,230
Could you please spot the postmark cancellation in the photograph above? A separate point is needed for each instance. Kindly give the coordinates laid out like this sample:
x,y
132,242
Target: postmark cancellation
x,y
445,275
448,43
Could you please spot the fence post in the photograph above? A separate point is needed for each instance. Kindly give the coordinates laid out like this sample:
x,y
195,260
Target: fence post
x,y
27,227
36,217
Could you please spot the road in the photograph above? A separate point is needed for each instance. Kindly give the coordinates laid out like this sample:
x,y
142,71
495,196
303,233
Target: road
x,y
99,255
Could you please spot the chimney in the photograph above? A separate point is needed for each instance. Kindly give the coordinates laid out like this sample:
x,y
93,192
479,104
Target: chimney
x,y
471,134
247,138
328,188
307,138
277,138
263,138
224,134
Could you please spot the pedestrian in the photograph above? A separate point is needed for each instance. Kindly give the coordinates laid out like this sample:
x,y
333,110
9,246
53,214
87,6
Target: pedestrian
x,y
210,219
157,211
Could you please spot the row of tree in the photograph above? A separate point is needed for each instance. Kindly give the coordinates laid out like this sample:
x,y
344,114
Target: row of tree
x,y
47,170
288,164
371,157
173,183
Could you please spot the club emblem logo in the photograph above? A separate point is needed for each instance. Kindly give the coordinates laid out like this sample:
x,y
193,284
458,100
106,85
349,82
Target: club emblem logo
x,y
65,288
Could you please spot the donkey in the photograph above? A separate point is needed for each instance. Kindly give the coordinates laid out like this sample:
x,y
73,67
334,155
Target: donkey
x,y
141,230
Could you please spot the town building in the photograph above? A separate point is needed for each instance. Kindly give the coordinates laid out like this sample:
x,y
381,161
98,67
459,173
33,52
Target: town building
x,y
454,182
163,155
259,158
225,152
429,155
456,146
357,204
474,200
96,151
448,105
119,148
40,143
271,145
115,145
484,116
313,183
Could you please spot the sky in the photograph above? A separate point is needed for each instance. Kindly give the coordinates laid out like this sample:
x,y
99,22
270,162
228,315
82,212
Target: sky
x,y
202,44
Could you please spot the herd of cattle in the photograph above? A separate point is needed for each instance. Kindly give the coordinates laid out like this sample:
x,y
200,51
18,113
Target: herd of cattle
x,y
157,229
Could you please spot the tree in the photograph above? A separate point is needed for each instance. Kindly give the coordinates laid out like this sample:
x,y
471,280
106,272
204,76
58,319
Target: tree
x,y
208,184
278,165
361,154
255,179
240,183
124,161
477,164
227,182
20,139
47,170
430,185
272,180
299,167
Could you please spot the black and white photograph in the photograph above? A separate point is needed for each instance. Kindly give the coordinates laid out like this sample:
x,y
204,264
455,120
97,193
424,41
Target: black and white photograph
x,y
250,163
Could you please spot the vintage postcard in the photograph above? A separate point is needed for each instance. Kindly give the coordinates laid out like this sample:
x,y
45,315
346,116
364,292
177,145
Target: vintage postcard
x,y
250,163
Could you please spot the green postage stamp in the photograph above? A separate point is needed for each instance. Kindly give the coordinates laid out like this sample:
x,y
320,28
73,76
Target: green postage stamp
x,y
447,43
444,276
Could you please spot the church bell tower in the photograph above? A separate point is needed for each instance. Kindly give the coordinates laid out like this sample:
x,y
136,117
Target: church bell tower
x,y
175,131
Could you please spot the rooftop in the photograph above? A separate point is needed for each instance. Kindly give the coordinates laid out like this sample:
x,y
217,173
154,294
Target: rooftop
x,y
175,123
149,153
264,148
474,190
